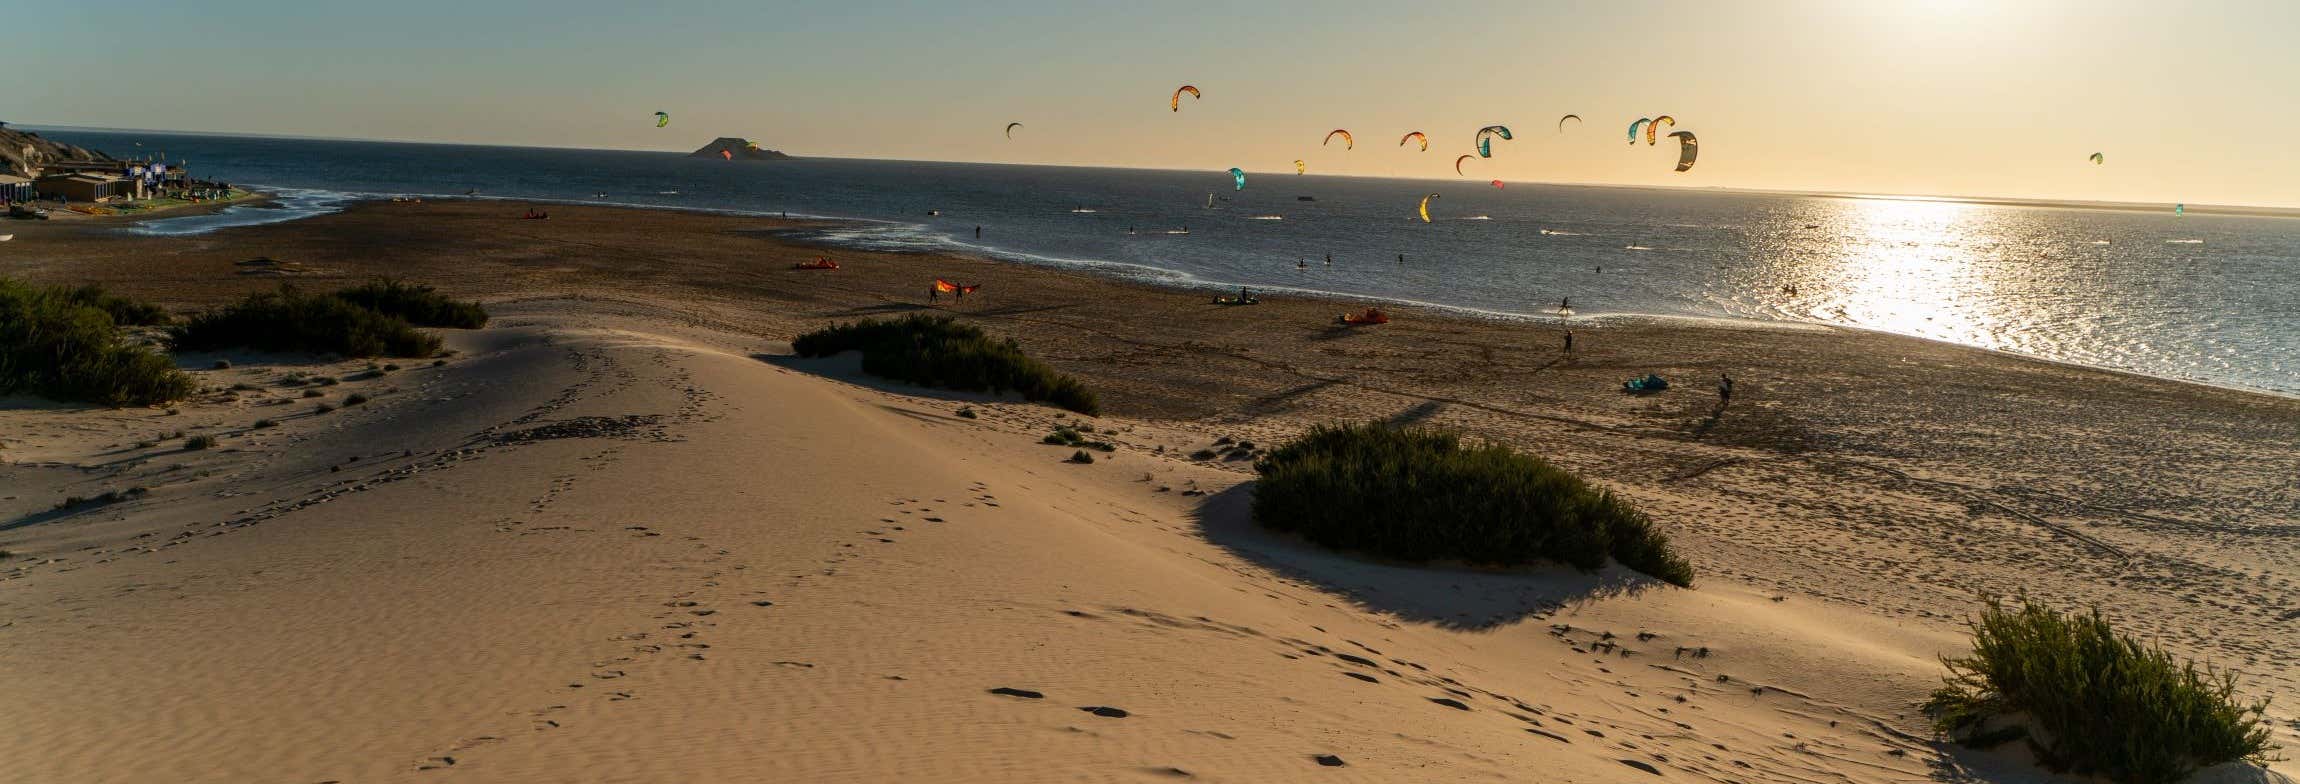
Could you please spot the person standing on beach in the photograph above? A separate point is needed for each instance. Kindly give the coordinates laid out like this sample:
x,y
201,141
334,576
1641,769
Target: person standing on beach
x,y
1724,389
1569,341
933,294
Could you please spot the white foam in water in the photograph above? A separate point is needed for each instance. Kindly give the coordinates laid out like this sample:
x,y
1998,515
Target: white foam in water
x,y
286,205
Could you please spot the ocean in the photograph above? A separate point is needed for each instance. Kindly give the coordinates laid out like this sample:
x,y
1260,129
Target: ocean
x,y
2207,298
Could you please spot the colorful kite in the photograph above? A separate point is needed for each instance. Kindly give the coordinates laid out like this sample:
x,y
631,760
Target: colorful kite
x,y
1633,127
1458,161
1425,208
1010,129
1300,167
1240,176
1176,104
1561,121
1688,148
1655,126
662,119
1412,135
1347,142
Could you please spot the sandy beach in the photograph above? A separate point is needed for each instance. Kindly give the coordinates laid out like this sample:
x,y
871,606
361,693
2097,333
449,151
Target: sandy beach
x,y
622,535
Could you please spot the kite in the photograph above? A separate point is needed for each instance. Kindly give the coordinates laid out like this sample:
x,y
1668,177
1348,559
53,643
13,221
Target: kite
x,y
1426,207
1485,139
1240,176
1176,104
1688,148
1010,129
1497,183
944,286
1655,126
2096,159
1347,142
726,153
2180,209
1415,135
1458,161
1561,121
1641,121
662,119
965,290
1300,167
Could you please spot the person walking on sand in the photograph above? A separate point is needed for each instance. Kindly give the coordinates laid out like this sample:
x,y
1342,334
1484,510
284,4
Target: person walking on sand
x,y
933,294
1569,341
1724,389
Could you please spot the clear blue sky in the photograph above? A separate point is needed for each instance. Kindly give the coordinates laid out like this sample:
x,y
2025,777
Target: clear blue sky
x,y
2189,101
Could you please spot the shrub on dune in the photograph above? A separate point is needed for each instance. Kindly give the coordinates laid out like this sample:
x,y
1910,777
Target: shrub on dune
x,y
1420,494
2103,703
65,344
124,311
937,351
291,320
418,304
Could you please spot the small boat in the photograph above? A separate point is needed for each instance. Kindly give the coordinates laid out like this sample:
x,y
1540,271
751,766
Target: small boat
x,y
1370,316
821,264
6,237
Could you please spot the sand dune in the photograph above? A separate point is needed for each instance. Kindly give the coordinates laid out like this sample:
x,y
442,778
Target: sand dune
x,y
492,562
591,549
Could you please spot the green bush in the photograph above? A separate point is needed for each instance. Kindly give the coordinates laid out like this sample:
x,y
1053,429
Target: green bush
x,y
54,343
124,311
1420,494
418,304
2106,703
200,442
937,351
290,320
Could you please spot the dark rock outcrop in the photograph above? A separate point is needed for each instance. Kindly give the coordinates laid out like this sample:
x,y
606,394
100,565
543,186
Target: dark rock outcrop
x,y
742,149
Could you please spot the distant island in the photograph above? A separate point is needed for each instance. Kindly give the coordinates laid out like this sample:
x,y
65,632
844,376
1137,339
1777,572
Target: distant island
x,y
737,148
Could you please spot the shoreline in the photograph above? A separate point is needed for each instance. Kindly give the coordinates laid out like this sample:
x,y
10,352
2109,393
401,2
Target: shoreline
x,y
1172,280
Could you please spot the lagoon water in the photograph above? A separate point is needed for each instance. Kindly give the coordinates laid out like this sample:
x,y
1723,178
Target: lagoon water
x,y
2209,298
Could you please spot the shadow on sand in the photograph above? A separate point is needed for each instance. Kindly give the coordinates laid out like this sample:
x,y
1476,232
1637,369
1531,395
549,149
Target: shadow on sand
x,y
1449,596
847,366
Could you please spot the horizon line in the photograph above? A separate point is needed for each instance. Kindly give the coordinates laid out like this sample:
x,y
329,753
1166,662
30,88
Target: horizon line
x,y
2246,210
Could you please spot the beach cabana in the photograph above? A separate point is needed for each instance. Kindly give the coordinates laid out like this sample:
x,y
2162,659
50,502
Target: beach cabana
x,y
14,188
81,186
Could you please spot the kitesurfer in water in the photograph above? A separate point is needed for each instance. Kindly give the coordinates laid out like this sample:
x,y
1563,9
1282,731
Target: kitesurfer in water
x,y
1329,259
978,232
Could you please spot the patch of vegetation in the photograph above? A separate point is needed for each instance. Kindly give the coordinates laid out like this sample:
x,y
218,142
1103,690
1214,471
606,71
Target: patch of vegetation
x,y
1068,436
54,344
199,442
109,497
937,351
291,320
1081,456
2104,703
417,304
314,393
1421,494
354,399
1204,454
322,408
264,423
124,311
966,413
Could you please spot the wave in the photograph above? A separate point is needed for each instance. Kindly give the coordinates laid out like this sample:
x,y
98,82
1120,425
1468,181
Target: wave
x,y
1266,217
286,204
2183,242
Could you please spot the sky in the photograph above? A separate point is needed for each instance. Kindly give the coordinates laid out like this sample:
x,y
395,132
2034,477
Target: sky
x,y
2188,102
